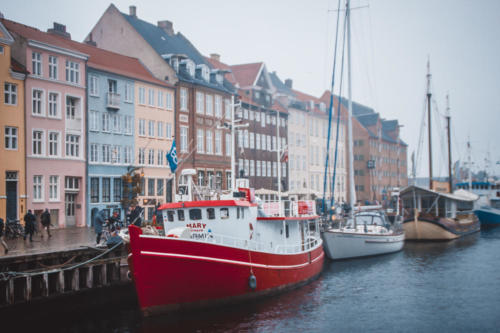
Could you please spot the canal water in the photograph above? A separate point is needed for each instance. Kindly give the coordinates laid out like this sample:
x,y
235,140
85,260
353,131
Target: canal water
x,y
428,287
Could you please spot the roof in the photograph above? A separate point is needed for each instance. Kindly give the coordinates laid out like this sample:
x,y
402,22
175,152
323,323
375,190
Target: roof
x,y
164,43
225,67
389,125
17,67
369,119
459,195
246,74
279,85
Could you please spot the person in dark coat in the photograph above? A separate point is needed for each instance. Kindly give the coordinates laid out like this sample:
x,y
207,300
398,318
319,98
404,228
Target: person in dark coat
x,y
29,225
45,219
135,216
2,241
99,221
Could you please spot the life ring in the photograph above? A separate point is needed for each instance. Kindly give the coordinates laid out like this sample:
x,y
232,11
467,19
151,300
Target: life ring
x,y
252,282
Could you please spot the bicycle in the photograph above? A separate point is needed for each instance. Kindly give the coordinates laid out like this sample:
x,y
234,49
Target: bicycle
x,y
13,229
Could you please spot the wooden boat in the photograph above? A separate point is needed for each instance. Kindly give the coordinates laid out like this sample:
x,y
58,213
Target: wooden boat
x,y
431,215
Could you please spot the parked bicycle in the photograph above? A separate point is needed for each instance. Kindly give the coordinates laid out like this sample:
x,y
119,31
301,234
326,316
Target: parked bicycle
x,y
13,229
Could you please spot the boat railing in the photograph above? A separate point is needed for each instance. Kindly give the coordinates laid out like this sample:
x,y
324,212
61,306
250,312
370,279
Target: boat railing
x,y
288,208
309,243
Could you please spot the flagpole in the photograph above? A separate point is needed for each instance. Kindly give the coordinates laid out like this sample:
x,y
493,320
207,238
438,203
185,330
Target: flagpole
x,y
278,156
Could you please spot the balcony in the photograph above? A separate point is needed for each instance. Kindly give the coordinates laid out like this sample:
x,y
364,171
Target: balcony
x,y
113,101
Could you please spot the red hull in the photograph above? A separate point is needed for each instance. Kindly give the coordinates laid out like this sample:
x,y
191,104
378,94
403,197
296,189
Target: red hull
x,y
172,273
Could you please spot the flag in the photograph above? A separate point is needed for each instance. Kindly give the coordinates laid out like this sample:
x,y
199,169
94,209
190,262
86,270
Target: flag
x,y
172,157
284,156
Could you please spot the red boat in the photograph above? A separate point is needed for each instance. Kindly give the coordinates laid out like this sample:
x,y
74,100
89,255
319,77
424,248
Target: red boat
x,y
224,251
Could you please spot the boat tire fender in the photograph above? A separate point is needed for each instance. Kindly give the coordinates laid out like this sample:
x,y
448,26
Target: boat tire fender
x,y
252,282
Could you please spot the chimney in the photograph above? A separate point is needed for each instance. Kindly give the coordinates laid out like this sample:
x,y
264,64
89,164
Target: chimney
x,y
132,11
288,83
166,26
215,56
90,41
60,30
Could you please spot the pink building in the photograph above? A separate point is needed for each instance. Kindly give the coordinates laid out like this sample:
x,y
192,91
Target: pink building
x,y
55,122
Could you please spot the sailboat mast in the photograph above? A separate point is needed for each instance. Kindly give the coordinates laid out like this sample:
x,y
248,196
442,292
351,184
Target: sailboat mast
x,y
352,192
448,120
429,94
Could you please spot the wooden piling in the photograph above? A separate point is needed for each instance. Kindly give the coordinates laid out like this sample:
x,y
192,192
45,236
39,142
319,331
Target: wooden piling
x,y
27,288
90,277
45,286
75,285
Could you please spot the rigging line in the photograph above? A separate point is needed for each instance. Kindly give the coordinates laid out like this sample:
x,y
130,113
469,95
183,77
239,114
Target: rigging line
x,y
331,107
421,137
372,58
444,151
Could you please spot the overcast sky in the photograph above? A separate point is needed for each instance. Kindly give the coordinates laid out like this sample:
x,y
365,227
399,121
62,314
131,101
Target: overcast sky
x,y
391,42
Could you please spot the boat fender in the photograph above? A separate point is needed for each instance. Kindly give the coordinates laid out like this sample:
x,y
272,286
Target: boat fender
x,y
252,282
129,275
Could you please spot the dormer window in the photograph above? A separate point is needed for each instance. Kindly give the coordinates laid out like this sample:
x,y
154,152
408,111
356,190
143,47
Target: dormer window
x,y
311,105
218,78
204,72
190,67
322,106
174,62
257,95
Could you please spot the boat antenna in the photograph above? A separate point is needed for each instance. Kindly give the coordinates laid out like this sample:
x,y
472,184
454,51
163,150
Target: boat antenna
x,y
429,95
448,121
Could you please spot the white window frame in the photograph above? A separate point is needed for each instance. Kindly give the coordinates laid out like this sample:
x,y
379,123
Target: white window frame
x,y
168,130
106,154
40,102
200,140
159,159
200,100
94,120
93,85
151,97
53,67
227,109
169,105
127,155
209,139
160,99
142,154
57,103
10,138
184,132
38,188
142,127
151,156
57,142
54,188
36,63
41,140
73,143
183,99
228,144
159,130
209,106
10,93
72,72
105,123
151,128
129,91
142,95
218,143
128,123
94,153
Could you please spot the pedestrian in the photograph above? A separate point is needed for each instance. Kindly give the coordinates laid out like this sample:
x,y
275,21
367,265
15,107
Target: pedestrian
x,y
2,241
29,225
45,219
135,216
114,222
99,221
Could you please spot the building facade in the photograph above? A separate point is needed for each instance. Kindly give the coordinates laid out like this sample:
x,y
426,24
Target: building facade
x,y
12,151
55,102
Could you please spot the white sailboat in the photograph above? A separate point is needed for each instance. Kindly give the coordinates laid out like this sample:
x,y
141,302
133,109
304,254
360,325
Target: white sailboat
x,y
365,233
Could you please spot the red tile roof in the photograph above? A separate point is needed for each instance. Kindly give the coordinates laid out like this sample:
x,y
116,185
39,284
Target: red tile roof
x,y
98,58
17,67
246,74
220,65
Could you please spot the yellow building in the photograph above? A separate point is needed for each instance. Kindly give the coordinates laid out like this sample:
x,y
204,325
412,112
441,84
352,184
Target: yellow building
x,y
12,148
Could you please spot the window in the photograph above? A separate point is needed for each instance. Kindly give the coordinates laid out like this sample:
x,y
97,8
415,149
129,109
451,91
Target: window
x,y
252,140
247,168
117,189
170,104
142,127
210,105
53,67
218,180
142,153
106,153
275,172
159,187
170,215
224,213
180,215
252,168
151,128
227,108
151,187
94,152
269,168
151,98
105,122
129,92
218,106
228,144
211,213
257,141
115,121
106,189
168,133
264,173
143,186
228,179
10,137
127,158
201,178
199,103
210,142
116,154
36,62
195,214
10,93
245,138
37,147
72,145
258,169
283,170
37,106
53,144
199,140
160,99
184,136
94,189
53,101
128,124
159,133
72,72
184,97
53,188
71,112
151,156
218,143
93,85
142,95
160,157
37,188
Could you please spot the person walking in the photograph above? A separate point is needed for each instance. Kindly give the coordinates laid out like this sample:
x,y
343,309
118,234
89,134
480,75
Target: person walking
x,y
29,225
135,216
45,219
2,241
99,222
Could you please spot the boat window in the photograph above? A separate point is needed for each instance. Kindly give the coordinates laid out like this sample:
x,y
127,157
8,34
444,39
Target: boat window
x,y
180,215
170,215
238,213
287,231
195,214
242,212
224,213
211,213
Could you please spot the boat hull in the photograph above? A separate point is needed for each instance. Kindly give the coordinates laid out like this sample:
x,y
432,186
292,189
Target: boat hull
x,y
340,245
489,217
174,274
438,229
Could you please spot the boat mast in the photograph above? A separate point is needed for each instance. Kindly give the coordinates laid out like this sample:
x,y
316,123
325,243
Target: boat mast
x,y
352,193
233,159
469,164
429,94
448,119
278,156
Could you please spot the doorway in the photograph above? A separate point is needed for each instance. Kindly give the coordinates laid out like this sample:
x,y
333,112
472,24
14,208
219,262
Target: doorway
x,y
70,209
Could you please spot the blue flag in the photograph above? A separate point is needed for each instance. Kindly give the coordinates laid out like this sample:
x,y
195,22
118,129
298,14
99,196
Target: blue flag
x,y
172,158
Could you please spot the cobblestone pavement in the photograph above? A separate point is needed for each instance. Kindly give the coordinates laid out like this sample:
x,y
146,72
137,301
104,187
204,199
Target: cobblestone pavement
x,y
62,239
